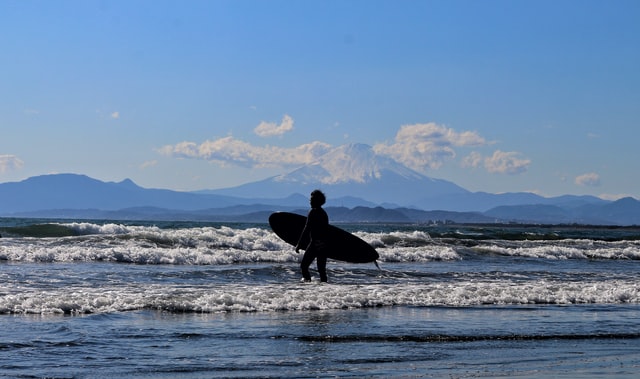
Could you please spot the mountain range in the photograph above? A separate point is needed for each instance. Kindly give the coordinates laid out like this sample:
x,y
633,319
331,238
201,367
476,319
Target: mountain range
x,y
361,186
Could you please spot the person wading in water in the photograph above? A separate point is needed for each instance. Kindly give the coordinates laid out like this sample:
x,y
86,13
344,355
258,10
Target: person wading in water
x,y
315,229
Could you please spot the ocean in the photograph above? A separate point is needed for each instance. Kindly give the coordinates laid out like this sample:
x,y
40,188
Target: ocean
x,y
111,299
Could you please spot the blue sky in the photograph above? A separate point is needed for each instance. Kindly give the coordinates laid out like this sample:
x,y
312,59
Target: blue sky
x,y
496,96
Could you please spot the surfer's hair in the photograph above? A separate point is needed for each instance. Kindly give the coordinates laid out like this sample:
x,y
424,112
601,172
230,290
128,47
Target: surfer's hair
x,y
319,197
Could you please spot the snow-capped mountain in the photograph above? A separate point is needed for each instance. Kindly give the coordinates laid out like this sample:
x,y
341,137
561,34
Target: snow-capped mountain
x,y
353,163
352,170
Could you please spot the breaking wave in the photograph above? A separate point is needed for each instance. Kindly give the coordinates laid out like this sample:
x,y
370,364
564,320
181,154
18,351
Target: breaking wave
x,y
220,244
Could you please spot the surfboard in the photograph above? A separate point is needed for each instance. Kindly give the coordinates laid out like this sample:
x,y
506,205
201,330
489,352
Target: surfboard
x,y
341,245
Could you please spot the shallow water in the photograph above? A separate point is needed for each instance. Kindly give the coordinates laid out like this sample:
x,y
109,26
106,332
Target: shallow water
x,y
390,341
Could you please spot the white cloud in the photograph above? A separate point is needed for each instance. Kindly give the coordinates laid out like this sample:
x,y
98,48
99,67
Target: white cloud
x,y
474,160
229,150
423,146
503,162
10,162
148,164
269,129
499,163
590,179
115,115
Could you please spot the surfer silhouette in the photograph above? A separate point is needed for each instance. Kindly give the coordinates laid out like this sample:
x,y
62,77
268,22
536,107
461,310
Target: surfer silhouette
x,y
315,229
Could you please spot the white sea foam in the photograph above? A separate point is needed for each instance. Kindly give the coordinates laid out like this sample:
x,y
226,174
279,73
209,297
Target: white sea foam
x,y
131,253
397,238
90,228
565,249
226,245
290,297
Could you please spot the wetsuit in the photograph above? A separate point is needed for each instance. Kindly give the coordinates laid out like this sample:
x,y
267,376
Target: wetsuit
x,y
316,229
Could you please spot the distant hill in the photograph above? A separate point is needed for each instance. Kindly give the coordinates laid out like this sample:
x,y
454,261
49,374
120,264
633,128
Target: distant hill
x,y
625,211
70,191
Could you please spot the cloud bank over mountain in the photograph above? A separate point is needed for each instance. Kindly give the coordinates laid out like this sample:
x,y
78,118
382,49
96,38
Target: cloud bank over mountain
x,y
231,151
421,147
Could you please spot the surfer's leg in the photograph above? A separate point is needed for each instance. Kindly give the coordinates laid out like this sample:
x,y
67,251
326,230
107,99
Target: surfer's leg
x,y
322,266
307,258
